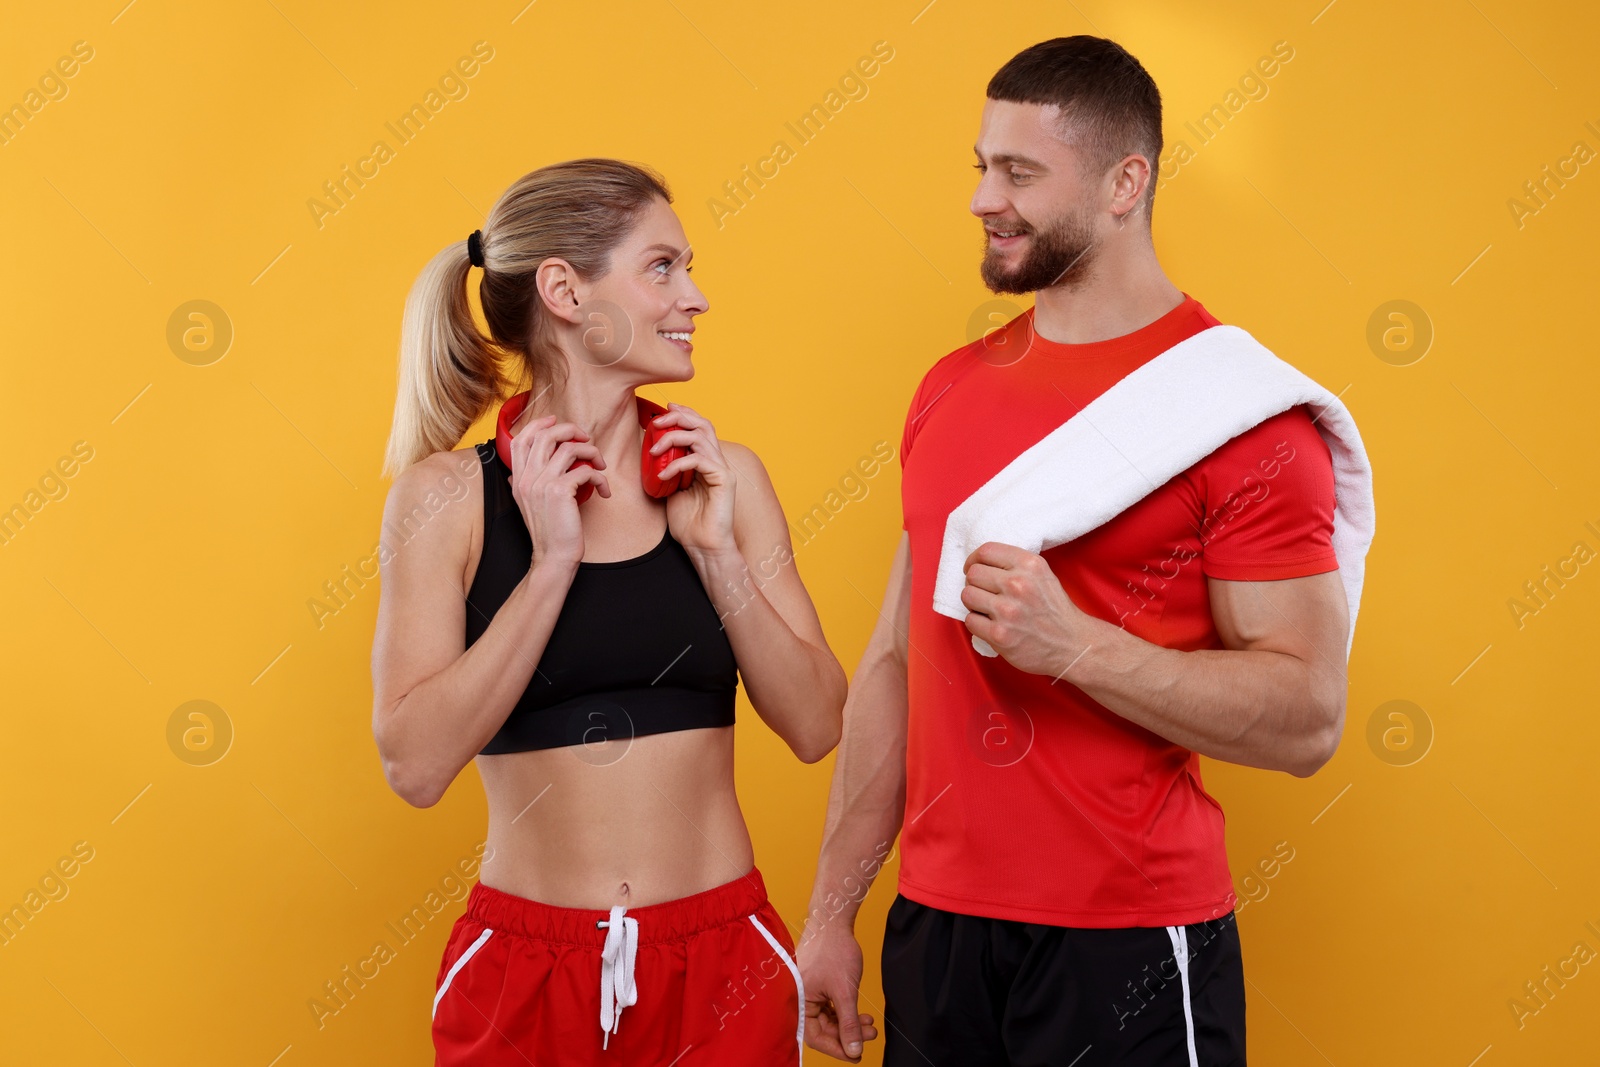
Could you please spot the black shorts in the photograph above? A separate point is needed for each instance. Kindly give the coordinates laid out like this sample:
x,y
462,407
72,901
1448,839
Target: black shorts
x,y
965,991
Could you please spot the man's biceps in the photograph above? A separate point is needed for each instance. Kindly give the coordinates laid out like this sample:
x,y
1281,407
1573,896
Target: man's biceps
x,y
896,614
1293,615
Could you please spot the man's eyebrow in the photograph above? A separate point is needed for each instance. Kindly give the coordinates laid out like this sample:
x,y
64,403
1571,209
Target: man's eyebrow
x,y
1011,157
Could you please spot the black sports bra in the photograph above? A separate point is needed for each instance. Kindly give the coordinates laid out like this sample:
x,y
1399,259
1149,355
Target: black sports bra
x,y
637,649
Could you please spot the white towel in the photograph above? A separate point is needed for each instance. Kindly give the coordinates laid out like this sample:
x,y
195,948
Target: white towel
x,y
1157,422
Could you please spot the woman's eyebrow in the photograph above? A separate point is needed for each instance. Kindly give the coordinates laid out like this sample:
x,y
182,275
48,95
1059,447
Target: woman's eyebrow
x,y
671,251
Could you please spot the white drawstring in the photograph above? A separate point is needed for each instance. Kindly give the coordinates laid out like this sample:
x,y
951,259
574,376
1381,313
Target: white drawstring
x,y
617,989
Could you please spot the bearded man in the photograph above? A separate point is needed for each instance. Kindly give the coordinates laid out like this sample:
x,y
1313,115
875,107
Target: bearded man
x,y
1132,537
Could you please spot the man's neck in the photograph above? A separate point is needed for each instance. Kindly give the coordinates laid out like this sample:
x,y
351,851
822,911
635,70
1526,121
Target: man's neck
x,y
1121,296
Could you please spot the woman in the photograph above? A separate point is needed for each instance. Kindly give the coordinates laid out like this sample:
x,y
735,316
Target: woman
x,y
587,656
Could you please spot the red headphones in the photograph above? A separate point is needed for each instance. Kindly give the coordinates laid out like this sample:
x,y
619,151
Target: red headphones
x,y
650,467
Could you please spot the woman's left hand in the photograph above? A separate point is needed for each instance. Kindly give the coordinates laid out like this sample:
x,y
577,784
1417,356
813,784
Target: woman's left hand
x,y
701,516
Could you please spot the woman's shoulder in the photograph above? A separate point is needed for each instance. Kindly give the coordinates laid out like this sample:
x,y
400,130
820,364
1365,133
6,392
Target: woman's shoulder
x,y
444,488
756,508
442,471
747,465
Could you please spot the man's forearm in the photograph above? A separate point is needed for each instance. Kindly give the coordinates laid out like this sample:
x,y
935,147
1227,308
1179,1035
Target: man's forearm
x,y
866,802
1256,708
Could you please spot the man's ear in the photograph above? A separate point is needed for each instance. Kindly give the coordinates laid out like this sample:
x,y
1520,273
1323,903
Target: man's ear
x,y
560,289
1129,180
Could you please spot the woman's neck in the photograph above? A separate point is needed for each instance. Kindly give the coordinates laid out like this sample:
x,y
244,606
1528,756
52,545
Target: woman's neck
x,y
608,415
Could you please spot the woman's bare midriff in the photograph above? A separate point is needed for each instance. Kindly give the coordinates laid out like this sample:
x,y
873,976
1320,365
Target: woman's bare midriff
x,y
631,822
620,822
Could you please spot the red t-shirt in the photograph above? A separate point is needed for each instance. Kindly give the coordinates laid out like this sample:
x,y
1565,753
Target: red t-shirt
x,y
1029,800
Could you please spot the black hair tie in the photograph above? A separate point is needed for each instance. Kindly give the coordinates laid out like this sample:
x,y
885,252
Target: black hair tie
x,y
475,248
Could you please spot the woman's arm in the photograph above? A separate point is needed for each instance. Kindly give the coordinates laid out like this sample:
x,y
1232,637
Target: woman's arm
x,y
434,705
793,679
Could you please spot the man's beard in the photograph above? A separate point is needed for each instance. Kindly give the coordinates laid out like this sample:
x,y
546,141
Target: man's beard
x,y
1061,254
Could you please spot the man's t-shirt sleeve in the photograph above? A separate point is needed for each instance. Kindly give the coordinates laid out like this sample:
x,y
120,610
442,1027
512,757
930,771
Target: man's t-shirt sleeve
x,y
909,433
1269,503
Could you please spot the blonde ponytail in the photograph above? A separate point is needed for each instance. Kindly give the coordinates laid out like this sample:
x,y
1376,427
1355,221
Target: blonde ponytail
x,y
450,373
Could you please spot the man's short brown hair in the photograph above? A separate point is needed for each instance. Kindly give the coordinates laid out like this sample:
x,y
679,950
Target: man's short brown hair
x,y
1109,104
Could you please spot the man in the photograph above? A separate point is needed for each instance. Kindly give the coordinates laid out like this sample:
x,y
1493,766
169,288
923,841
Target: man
x,y
1064,893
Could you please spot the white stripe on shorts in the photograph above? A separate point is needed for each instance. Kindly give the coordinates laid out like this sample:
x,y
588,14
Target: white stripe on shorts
x,y
450,976
1180,953
800,1029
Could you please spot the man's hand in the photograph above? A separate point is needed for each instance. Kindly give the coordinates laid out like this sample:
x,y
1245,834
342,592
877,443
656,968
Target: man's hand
x,y
1019,608
830,969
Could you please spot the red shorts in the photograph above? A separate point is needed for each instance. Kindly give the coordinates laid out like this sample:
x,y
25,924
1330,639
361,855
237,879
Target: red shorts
x,y
702,981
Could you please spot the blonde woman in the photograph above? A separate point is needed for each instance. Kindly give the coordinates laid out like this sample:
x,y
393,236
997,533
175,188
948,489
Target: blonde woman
x,y
577,627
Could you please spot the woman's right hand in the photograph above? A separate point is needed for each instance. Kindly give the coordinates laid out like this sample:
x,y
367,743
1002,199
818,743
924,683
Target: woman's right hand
x,y
547,491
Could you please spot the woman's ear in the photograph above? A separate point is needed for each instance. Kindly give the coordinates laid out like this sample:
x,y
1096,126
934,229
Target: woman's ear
x,y
558,286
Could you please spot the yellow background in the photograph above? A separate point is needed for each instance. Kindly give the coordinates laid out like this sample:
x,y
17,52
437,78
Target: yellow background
x,y
219,498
